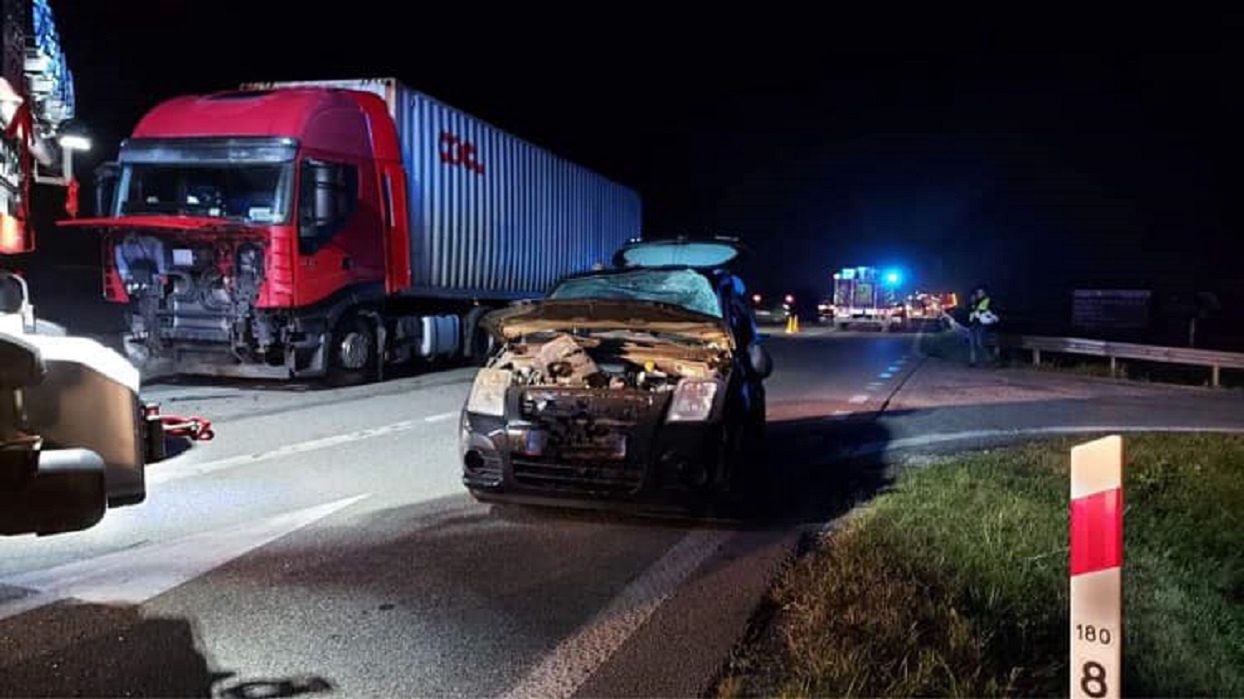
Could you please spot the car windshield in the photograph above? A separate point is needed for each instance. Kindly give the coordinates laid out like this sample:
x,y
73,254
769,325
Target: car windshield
x,y
679,287
256,193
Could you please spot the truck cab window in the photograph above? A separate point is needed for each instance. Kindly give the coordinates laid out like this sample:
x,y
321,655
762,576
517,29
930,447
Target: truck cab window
x,y
328,197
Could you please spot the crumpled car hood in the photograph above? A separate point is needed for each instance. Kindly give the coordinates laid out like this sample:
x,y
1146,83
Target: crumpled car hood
x,y
527,317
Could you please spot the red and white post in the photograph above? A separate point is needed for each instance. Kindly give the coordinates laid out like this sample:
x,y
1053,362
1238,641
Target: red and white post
x,y
1096,565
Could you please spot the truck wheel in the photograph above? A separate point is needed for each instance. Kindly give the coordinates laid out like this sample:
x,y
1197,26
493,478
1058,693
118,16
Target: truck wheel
x,y
352,352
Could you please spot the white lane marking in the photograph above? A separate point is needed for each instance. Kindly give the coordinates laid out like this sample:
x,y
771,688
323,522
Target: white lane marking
x,y
927,440
134,576
579,655
841,412
874,385
858,398
172,472
886,375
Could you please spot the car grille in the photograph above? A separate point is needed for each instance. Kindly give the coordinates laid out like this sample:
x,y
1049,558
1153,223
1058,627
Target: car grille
x,y
576,462
578,477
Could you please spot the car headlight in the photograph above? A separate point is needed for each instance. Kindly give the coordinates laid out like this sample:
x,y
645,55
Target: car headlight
x,y
693,400
488,392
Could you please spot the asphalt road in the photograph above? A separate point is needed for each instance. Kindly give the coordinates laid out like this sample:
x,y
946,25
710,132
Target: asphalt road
x,y
324,544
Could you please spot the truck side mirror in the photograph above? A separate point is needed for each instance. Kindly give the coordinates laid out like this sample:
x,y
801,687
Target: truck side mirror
x,y
324,186
759,359
106,176
328,194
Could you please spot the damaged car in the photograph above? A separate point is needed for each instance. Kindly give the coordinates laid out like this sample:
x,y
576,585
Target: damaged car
x,y
640,383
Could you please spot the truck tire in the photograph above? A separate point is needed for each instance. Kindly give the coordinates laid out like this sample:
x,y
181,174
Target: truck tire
x,y
352,351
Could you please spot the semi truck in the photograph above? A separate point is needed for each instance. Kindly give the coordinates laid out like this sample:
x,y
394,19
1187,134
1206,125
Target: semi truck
x,y
331,228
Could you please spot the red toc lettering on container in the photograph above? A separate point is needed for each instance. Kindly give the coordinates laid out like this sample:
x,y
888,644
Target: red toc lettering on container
x,y
457,151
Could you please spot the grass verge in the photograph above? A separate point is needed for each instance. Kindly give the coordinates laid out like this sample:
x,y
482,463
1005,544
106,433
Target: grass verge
x,y
955,582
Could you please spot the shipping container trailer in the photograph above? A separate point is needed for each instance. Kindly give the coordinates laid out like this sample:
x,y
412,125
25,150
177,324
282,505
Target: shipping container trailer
x,y
330,227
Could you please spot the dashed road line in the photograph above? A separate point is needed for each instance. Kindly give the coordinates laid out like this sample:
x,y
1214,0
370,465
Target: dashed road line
x,y
579,655
172,472
858,398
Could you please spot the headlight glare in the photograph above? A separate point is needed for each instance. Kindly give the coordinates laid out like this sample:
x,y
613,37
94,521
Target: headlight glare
x,y
693,401
488,392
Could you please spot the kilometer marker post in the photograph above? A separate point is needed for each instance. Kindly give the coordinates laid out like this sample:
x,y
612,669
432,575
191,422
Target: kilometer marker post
x,y
1096,567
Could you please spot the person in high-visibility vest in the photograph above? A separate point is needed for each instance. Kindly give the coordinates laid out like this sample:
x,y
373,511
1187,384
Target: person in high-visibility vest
x,y
982,322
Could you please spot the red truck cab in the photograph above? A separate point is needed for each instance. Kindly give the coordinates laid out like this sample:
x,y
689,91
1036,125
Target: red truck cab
x,y
247,223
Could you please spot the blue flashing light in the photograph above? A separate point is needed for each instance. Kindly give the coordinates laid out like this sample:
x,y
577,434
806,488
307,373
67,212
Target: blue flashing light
x,y
893,277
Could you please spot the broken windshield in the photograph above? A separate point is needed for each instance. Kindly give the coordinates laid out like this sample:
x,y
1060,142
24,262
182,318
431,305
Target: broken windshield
x,y
679,287
256,193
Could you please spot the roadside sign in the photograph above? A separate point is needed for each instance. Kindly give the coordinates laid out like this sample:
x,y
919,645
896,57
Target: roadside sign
x,y
1096,567
1110,309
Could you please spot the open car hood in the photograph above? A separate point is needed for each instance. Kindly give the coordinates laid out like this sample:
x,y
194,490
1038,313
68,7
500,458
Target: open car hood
x,y
527,317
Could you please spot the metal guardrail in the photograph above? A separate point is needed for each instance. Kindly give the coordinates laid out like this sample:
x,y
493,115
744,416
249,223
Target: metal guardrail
x,y
1114,351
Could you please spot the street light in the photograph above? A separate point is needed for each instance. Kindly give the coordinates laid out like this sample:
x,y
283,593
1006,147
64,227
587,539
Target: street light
x,y
74,142
72,139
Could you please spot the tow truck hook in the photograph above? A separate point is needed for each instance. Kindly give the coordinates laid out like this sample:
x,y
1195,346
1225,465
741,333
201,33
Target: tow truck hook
x,y
194,428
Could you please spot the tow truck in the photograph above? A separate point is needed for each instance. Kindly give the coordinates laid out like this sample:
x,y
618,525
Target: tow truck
x,y
74,436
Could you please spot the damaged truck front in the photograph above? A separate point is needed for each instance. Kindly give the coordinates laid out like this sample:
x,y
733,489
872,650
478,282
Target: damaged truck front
x,y
619,399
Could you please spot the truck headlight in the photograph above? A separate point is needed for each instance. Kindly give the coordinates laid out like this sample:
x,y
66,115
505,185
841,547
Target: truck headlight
x,y
488,392
693,400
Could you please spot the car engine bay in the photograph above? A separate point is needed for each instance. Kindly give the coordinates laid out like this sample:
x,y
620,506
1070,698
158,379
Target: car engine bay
x,y
608,362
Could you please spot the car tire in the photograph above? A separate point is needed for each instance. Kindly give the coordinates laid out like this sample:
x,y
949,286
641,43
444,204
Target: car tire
x,y
478,343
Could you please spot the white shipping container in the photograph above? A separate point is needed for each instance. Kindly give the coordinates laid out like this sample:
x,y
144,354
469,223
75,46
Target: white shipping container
x,y
491,215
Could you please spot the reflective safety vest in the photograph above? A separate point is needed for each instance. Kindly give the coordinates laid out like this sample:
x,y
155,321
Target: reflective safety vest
x,y
982,314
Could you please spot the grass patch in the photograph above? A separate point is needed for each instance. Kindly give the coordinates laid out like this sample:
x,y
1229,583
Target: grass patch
x,y
955,582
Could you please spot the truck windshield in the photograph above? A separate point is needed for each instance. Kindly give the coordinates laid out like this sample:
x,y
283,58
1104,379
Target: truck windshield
x,y
680,287
256,193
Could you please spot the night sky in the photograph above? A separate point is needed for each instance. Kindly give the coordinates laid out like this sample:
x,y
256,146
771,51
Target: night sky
x,y
1033,153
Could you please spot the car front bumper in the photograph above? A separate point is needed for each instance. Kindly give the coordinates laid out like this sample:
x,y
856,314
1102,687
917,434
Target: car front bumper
x,y
679,464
